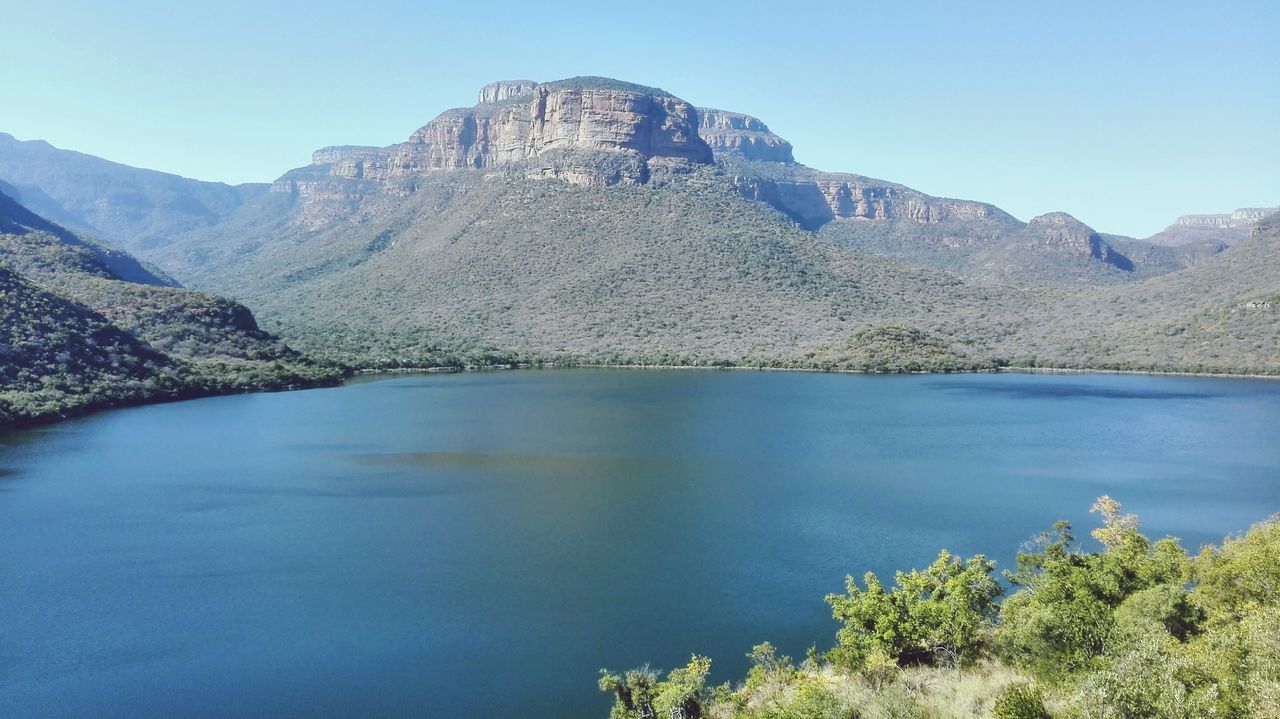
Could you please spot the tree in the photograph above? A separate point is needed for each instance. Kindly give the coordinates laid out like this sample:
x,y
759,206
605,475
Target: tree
x,y
1064,615
639,695
937,616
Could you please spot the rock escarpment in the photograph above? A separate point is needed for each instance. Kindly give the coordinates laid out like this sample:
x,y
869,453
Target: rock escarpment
x,y
599,132
1203,232
765,169
732,132
1243,217
595,132
1060,232
555,130
813,199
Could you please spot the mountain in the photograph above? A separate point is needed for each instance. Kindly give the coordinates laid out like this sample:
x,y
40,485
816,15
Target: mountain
x,y
587,131
973,240
86,325
593,220
1222,229
133,208
680,269
1222,314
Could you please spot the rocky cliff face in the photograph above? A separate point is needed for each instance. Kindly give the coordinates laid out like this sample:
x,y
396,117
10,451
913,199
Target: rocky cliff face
x,y
1243,217
557,129
504,90
733,132
1058,231
598,132
765,170
814,198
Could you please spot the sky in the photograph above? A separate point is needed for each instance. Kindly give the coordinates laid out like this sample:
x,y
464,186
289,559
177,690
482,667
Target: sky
x,y
1124,114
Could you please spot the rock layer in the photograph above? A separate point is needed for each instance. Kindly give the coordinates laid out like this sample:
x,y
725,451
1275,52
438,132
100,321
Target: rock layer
x,y
548,126
818,198
1243,217
733,132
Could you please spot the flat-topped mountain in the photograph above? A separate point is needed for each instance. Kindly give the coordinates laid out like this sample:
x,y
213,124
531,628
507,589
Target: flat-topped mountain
x,y
1243,217
559,126
1205,231
729,133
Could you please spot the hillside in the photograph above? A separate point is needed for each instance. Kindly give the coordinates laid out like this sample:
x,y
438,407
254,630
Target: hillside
x,y
60,357
133,208
87,326
1220,315
678,270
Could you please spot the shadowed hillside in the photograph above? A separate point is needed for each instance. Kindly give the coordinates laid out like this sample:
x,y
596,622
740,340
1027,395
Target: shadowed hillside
x,y
89,326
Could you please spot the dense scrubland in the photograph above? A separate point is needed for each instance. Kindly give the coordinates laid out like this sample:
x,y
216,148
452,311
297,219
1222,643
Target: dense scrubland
x,y
86,326
1131,628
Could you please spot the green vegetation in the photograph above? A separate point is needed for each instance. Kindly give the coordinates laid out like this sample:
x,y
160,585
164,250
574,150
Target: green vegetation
x,y
583,257
1137,628
469,268
894,347
86,326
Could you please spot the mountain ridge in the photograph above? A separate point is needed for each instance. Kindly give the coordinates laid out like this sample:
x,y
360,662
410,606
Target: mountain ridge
x,y
592,220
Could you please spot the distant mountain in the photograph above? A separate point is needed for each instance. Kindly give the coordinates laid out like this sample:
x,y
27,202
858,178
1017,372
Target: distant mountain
x,y
1223,229
86,325
543,127
134,208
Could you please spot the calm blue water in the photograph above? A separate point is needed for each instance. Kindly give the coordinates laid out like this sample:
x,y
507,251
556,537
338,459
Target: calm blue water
x,y
481,544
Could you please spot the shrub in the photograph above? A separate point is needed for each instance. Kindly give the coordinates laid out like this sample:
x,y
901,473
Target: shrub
x,y
937,616
1020,701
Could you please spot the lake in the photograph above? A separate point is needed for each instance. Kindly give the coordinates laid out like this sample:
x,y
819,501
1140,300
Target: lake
x,y
482,544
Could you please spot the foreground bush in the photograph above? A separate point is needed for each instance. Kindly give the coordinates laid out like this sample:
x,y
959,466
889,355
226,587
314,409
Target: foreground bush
x,y
1137,629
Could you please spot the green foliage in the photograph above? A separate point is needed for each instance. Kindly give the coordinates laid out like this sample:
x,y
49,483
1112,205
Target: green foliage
x,y
1020,701
640,695
1151,679
1242,575
894,347
1064,615
85,326
633,693
935,616
1136,630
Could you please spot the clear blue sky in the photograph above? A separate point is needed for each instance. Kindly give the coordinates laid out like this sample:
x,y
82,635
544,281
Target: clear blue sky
x,y
1124,114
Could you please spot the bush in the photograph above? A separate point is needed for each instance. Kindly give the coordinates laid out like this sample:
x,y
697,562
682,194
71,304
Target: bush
x,y
1020,701
937,616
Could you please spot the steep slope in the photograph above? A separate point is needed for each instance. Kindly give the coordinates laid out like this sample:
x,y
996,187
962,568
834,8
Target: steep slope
x,y
57,357
116,332
134,208
41,244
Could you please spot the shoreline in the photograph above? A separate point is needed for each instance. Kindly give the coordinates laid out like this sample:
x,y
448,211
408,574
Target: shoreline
x,y
815,370
80,411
